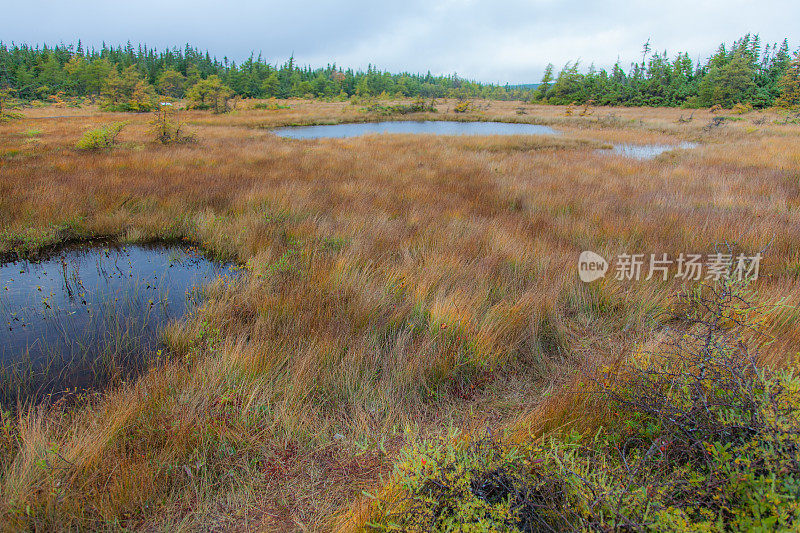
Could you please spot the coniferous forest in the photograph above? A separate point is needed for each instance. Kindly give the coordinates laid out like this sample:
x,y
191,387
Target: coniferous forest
x,y
747,72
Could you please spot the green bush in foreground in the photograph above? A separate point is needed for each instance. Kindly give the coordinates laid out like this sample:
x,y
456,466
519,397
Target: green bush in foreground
x,y
476,486
100,138
705,440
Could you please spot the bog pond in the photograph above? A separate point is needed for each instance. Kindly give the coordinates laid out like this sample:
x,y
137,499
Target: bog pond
x,y
646,151
429,127
90,315
444,127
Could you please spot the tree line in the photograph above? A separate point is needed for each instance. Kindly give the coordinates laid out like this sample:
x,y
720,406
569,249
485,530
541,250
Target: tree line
x,y
746,72
128,78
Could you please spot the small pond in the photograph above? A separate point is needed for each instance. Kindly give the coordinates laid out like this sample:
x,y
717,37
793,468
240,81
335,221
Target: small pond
x,y
87,316
429,127
646,151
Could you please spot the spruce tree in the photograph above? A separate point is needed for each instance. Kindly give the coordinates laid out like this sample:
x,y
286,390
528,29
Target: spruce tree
x,y
544,85
790,85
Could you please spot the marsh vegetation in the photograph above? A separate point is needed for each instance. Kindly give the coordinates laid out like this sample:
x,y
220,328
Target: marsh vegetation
x,y
403,294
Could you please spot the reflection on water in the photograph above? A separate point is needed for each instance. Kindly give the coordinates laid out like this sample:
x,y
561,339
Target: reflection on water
x,y
432,127
91,314
646,151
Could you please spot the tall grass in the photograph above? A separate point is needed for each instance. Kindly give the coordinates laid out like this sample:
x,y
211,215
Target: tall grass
x,y
396,285
702,437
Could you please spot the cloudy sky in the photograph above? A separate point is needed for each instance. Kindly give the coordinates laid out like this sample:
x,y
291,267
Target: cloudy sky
x,y
494,41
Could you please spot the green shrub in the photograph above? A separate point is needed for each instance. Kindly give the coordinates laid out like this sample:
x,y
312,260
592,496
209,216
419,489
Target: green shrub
x,y
705,440
790,117
6,104
726,431
210,93
128,91
480,485
417,106
100,138
270,106
462,107
692,102
168,128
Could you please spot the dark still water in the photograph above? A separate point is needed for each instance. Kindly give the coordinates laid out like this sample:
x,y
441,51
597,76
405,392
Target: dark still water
x,y
91,315
430,127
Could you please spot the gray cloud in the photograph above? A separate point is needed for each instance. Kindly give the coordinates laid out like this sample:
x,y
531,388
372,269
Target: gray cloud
x,y
500,41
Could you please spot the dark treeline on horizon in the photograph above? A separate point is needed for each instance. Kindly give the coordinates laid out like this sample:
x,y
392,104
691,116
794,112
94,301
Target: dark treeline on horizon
x,y
745,72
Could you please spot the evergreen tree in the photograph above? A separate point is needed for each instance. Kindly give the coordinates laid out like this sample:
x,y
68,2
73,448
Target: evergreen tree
x,y
790,85
547,79
270,87
568,86
730,83
745,71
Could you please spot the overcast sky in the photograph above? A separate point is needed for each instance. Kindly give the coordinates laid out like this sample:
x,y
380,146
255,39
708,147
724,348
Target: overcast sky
x,y
493,41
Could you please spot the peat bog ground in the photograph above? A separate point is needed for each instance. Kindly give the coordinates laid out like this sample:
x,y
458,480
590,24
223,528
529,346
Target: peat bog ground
x,y
396,288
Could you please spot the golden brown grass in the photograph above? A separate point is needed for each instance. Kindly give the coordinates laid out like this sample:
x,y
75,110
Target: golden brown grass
x,y
396,285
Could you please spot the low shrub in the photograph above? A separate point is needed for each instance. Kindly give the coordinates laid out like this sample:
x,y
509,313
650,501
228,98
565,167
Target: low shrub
x,y
6,104
704,439
715,123
478,485
692,102
714,437
271,106
100,138
417,106
790,117
168,128
9,116
463,107
588,108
